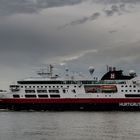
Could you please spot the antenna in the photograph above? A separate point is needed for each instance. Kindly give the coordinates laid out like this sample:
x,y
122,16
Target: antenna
x,y
43,72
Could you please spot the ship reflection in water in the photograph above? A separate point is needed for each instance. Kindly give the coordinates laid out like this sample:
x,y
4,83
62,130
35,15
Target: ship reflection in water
x,y
69,125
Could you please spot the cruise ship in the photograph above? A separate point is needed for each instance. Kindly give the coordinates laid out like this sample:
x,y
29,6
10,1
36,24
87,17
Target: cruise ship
x,y
50,91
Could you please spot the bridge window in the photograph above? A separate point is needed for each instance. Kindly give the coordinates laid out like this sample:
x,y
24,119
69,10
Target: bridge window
x,y
29,91
16,96
54,91
43,96
55,96
30,96
42,91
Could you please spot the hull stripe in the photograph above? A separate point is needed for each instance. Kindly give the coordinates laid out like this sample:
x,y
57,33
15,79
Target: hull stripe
x,y
69,100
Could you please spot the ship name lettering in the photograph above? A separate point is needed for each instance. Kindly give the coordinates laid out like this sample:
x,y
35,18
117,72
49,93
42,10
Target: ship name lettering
x,y
129,104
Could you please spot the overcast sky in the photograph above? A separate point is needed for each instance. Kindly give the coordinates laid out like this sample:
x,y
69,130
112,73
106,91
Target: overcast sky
x,y
77,33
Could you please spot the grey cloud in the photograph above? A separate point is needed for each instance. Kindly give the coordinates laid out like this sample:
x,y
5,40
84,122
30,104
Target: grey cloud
x,y
83,20
25,44
112,31
122,6
112,10
116,1
8,7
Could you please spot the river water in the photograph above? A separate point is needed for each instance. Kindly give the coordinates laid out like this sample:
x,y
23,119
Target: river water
x,y
69,125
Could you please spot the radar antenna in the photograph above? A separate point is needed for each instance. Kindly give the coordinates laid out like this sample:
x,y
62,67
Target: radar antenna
x,y
43,72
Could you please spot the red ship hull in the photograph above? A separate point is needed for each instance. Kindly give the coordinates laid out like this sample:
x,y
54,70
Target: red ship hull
x,y
127,104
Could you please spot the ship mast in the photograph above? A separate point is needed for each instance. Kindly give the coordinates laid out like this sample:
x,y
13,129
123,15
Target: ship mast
x,y
46,73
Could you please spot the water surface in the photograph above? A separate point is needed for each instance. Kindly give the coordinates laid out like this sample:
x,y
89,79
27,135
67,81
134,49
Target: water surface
x,y
69,125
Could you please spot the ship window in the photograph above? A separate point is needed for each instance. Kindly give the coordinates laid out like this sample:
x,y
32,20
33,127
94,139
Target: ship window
x,y
134,90
30,96
134,86
55,96
29,91
14,90
14,86
125,90
130,86
121,90
29,86
45,86
37,86
74,91
64,91
16,96
125,85
33,86
132,95
25,86
130,90
49,86
57,86
122,86
67,86
138,90
41,86
42,91
74,86
43,96
54,91
21,86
